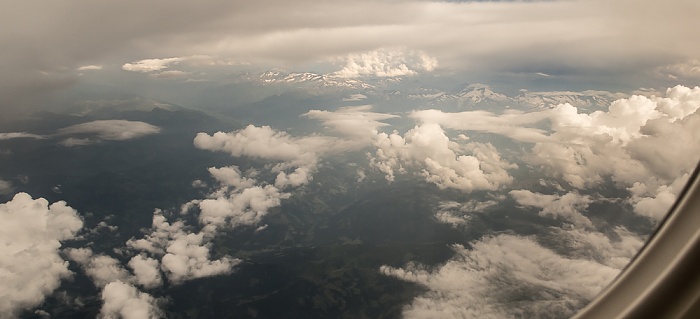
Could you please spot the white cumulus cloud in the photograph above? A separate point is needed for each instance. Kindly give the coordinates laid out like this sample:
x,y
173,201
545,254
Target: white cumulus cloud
x,y
296,157
102,269
123,300
447,164
387,63
31,232
183,254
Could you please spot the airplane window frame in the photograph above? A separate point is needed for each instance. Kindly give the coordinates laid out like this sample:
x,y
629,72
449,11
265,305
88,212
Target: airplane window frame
x,y
662,280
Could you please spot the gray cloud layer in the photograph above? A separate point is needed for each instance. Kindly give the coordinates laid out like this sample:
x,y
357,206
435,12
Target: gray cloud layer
x,y
47,43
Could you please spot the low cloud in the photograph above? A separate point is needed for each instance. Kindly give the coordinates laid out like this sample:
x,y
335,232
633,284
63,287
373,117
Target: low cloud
x,y
123,300
494,276
447,164
146,271
71,141
109,130
246,206
296,157
102,269
567,206
91,67
513,124
357,121
645,143
31,232
459,214
654,197
169,74
183,254
13,135
355,97
6,187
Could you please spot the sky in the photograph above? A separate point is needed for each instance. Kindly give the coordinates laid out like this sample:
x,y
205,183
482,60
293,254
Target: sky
x,y
50,47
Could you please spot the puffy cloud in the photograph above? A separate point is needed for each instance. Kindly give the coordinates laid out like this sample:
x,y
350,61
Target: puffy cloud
x,y
187,257
622,121
654,198
387,63
297,157
244,205
12,135
102,269
150,65
458,214
239,199
627,133
111,130
567,206
263,142
146,270
680,101
122,300
640,139
499,273
31,232
231,176
184,254
440,160
645,143
300,176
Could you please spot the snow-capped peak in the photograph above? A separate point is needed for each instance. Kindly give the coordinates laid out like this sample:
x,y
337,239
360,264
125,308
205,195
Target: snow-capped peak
x,y
314,79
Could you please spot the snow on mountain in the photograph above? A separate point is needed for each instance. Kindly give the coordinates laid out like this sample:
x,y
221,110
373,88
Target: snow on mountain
x,y
478,93
482,95
472,95
317,80
588,99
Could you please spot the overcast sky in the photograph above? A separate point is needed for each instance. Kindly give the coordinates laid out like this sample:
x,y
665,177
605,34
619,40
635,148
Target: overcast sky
x,y
47,45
